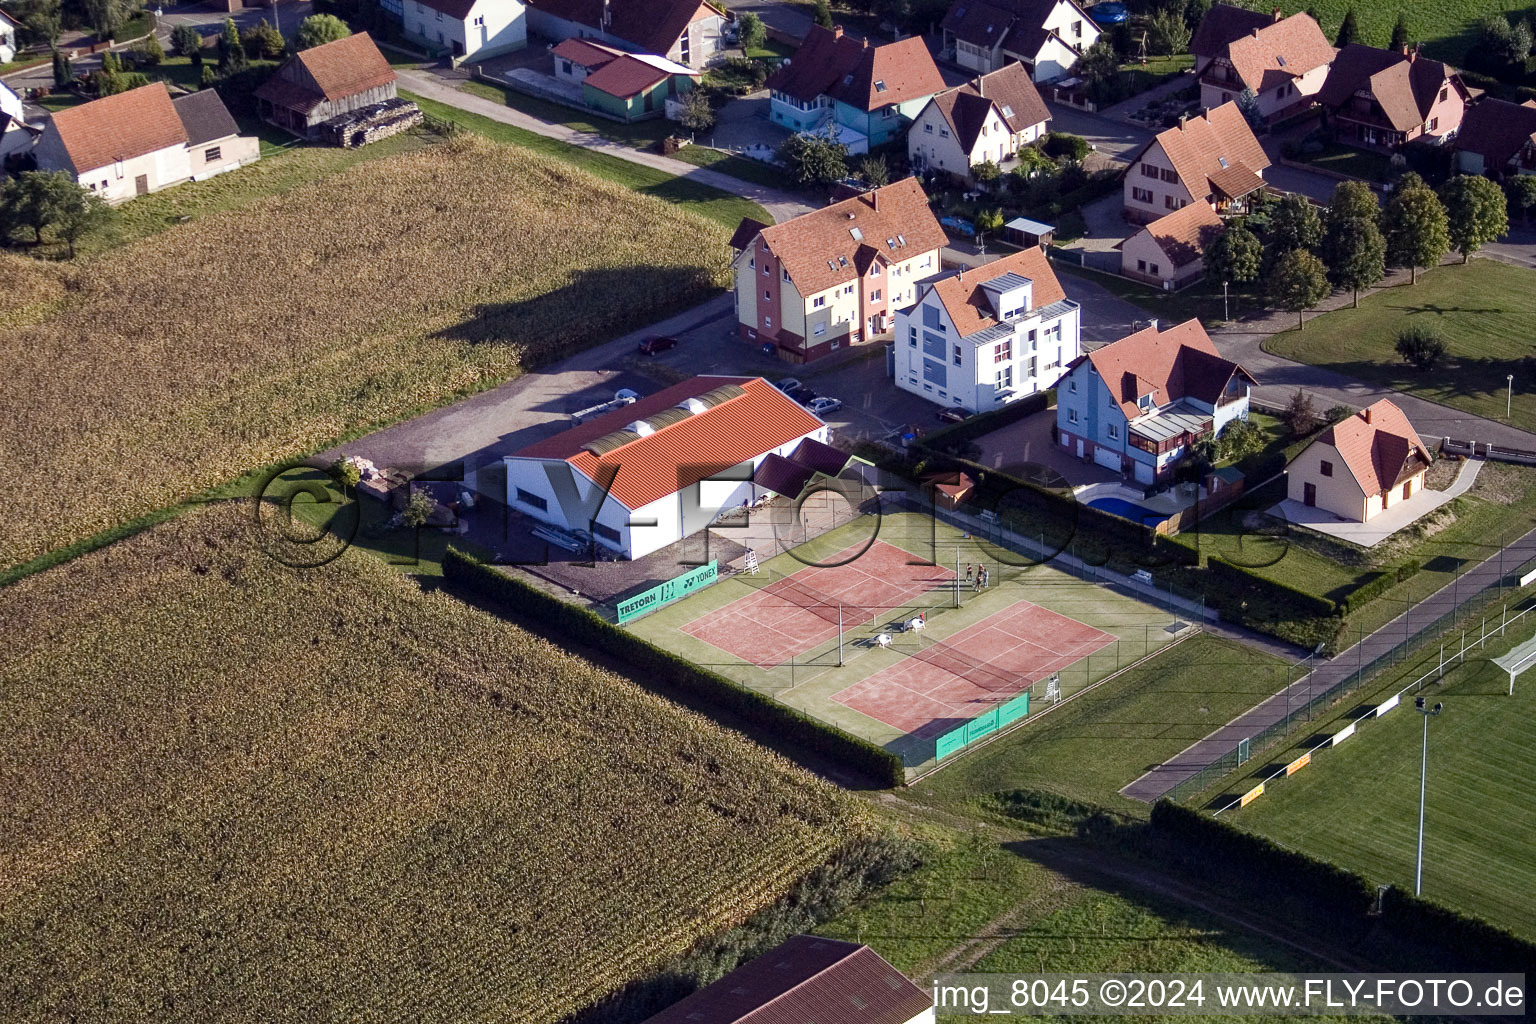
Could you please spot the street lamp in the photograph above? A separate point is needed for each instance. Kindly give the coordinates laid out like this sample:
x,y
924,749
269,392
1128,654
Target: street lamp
x,y
1509,394
1427,712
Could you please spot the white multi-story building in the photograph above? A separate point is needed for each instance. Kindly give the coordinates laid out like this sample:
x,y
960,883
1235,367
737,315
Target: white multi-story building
x,y
979,338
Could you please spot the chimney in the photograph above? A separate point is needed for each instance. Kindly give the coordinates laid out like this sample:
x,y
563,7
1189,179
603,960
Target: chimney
x,y
837,30
874,199
1366,412
1183,118
1407,51
1276,13
607,15
981,86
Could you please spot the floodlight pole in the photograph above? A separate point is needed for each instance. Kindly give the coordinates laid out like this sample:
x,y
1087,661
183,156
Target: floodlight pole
x,y
1418,872
1509,393
839,634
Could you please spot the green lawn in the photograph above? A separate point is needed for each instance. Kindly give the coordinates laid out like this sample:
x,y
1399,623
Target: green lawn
x,y
1445,27
1201,300
1485,311
1097,743
1358,805
645,135
702,199
1357,163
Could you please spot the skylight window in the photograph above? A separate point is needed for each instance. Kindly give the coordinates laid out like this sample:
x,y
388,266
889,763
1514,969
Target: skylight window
x,y
890,243
880,85
847,79
832,264
842,261
1281,59
1223,161
857,233
1007,110
902,239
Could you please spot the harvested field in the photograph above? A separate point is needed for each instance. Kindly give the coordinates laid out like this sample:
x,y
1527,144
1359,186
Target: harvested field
x,y
238,791
176,364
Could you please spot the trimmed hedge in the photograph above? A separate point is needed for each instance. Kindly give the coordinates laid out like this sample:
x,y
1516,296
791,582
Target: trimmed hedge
x,y
1376,584
660,670
1279,874
984,423
1241,583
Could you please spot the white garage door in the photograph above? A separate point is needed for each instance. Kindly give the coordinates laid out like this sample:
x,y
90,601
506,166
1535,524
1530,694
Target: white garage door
x,y
1107,458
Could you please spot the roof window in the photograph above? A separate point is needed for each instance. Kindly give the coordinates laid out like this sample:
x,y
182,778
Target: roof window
x,y
1223,161
847,79
880,85
857,233
1281,59
1007,110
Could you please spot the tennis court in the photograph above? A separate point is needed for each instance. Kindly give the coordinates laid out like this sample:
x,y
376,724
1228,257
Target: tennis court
x,y
789,615
943,683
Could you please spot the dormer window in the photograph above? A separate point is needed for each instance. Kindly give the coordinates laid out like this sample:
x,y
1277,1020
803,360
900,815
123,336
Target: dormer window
x,y
1145,401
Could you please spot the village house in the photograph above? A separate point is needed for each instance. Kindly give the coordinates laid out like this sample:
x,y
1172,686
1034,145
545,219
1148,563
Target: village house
x,y
16,134
1360,466
1212,158
326,81
142,141
8,29
645,476
575,59
690,32
869,92
982,337
1497,138
1169,252
991,117
803,980
835,276
1387,98
1046,36
633,86
1283,61
1137,405
468,30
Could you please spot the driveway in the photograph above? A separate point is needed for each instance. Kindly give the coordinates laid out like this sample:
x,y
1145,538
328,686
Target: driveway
x,y
1111,139
742,126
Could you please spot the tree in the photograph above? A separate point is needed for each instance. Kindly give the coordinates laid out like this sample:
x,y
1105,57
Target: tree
x,y
988,221
1099,63
41,22
232,50
1064,144
34,200
78,211
319,29
751,31
1521,193
1476,212
1399,32
1293,224
875,171
986,172
149,52
1235,255
418,509
1349,32
1420,346
1355,253
1351,200
1167,33
1298,283
1300,415
63,69
823,14
210,77
698,112
1416,229
814,160
262,41
1195,12
346,473
1239,439
105,17
1248,106
1501,48
187,41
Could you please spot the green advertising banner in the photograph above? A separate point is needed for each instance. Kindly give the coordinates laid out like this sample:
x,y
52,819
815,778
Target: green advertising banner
x,y
665,593
960,737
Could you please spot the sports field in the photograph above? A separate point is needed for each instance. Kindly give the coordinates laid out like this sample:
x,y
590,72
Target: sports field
x,y
807,628
1357,805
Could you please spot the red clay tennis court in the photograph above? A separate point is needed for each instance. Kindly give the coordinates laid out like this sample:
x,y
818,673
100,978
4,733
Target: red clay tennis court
x,y
965,675
796,613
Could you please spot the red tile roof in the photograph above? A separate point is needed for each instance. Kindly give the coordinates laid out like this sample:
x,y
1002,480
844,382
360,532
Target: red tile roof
x,y
1277,53
119,127
807,980
625,77
1204,146
652,25
863,75
1008,90
967,303
1018,24
1224,23
1379,446
1184,234
1181,362
1405,85
820,249
749,417
341,68
585,52
1497,130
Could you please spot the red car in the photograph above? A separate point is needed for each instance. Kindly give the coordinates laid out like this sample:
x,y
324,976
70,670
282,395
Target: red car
x,y
656,344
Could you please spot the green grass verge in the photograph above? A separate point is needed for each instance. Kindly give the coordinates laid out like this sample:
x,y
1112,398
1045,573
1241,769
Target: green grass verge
x,y
1201,300
702,199
1358,805
1097,743
1485,311
1357,163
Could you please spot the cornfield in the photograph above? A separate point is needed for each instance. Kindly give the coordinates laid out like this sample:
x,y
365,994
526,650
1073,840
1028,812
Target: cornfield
x,y
173,365
238,791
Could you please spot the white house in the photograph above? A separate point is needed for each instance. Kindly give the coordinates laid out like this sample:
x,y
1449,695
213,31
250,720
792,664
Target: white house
x,y
8,28
1136,405
139,141
1213,158
647,475
1361,466
690,32
982,337
1284,61
1046,36
807,979
1170,251
16,135
991,117
471,29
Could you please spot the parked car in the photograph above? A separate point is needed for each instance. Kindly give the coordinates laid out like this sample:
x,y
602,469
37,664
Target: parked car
x,y
823,406
805,396
656,344
789,385
953,415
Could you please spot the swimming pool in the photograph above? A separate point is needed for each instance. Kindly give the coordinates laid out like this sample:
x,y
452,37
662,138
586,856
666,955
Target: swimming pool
x,y
1129,510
